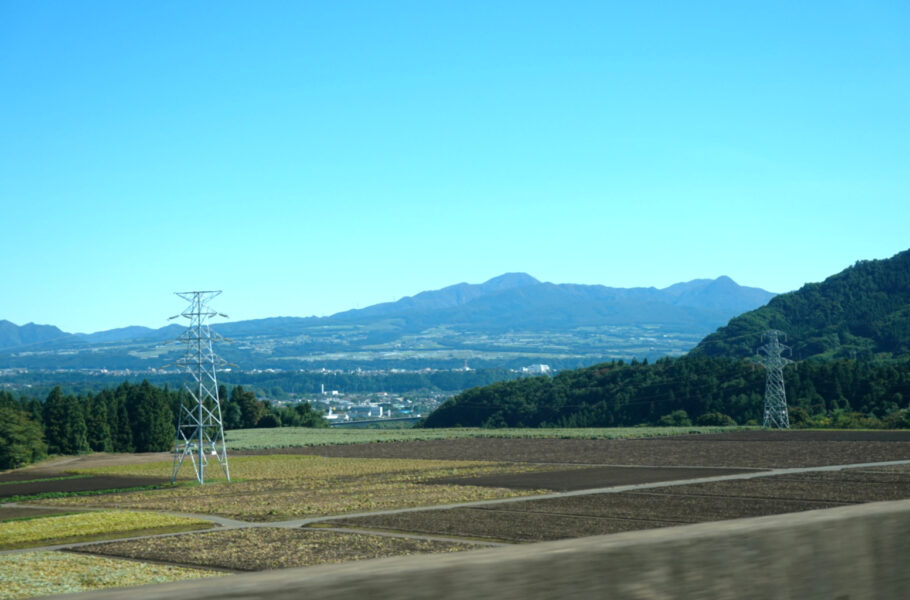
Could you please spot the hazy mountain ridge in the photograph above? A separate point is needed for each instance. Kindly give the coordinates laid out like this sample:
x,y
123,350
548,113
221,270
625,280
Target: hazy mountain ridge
x,y
12,335
513,313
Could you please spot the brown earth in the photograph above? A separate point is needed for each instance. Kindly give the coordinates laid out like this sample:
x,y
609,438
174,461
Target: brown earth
x,y
747,449
579,516
585,478
92,483
63,465
268,548
10,513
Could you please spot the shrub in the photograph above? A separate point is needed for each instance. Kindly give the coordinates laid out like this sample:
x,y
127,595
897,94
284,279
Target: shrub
x,y
715,419
677,418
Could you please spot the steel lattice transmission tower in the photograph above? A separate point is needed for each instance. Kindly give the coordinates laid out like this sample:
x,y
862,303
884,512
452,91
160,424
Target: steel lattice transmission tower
x,y
200,434
775,396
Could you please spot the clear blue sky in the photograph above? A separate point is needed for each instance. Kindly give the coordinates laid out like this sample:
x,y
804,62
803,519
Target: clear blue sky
x,y
311,157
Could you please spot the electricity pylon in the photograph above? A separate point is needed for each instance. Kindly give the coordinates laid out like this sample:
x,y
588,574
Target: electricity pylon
x,y
775,396
200,434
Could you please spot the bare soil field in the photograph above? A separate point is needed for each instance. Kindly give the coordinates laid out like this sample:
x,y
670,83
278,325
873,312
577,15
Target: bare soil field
x,y
11,513
585,478
269,548
578,516
62,465
746,449
92,483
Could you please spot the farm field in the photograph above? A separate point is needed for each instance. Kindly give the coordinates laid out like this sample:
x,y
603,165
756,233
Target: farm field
x,y
44,573
79,527
282,487
745,449
355,486
289,437
595,514
259,548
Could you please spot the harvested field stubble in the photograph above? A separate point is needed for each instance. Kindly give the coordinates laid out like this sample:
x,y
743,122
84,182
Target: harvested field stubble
x,y
279,487
44,573
270,548
577,516
91,525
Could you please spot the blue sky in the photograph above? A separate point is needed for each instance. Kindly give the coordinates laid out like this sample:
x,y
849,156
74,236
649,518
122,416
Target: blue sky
x,y
308,158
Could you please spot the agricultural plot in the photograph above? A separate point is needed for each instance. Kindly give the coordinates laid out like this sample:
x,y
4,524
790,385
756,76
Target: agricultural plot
x,y
14,491
291,437
595,514
270,548
280,487
348,479
578,478
44,573
89,526
21,513
745,449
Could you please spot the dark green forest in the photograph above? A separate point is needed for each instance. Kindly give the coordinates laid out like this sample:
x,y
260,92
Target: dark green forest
x,y
863,312
129,418
693,389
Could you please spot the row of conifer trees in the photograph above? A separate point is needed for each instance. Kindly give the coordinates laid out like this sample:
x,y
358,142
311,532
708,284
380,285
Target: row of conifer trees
x,y
129,418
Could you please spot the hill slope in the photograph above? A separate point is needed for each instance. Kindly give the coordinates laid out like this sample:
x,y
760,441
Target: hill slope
x,y
12,335
863,312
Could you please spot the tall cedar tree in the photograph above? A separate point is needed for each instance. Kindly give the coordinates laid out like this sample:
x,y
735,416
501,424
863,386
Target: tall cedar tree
x,y
64,424
151,418
21,438
97,423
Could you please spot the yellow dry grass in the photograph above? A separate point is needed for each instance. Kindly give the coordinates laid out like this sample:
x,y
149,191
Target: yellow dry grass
x,y
47,530
277,487
44,573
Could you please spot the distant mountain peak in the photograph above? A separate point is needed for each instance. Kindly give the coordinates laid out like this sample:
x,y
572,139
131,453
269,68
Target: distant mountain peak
x,y
508,281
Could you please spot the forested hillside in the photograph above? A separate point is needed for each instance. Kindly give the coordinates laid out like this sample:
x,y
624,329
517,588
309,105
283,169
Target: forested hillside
x,y
862,312
850,336
709,391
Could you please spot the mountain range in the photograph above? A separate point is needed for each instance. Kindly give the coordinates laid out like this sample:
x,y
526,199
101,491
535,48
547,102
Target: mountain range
x,y
513,317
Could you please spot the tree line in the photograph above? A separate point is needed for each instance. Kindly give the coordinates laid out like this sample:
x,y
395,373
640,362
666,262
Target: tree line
x,y
129,418
710,391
